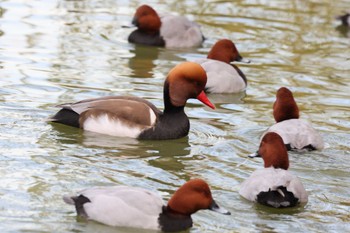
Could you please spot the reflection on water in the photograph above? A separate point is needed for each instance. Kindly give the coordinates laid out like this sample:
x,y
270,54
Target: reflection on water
x,y
144,61
55,52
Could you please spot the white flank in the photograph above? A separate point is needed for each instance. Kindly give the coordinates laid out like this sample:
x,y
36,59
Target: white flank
x,y
298,133
152,116
222,77
270,178
123,206
106,125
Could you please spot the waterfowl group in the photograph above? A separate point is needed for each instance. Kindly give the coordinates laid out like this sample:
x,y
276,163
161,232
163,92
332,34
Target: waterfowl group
x,y
128,116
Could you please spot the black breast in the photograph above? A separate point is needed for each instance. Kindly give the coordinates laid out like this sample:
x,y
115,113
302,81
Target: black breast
x,y
139,37
172,125
170,222
79,202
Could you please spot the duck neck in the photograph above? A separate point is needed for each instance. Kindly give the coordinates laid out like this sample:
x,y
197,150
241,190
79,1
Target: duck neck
x,y
169,108
170,220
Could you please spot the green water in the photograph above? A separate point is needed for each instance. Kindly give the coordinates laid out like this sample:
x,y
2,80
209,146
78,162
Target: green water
x,y
54,52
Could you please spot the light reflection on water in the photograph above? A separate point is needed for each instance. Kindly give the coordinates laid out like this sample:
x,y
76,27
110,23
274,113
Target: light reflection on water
x,y
63,51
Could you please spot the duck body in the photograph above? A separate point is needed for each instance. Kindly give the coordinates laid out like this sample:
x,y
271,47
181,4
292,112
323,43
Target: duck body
x,y
274,187
345,19
167,30
223,77
135,117
298,134
178,31
140,208
119,206
124,116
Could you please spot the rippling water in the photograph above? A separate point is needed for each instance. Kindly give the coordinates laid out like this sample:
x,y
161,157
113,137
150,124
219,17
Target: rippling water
x,y
62,51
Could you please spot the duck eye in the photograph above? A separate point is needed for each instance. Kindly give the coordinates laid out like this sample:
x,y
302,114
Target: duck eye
x,y
196,83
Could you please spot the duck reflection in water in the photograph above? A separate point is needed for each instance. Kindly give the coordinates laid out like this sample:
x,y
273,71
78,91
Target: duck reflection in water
x,y
166,153
143,62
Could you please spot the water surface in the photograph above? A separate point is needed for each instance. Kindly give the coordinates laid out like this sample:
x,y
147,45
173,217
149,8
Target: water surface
x,y
54,52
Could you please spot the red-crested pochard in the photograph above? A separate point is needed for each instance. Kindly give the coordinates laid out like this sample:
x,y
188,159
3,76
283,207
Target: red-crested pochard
x,y
134,117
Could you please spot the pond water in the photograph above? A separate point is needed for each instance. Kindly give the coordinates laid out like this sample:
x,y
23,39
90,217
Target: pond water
x,y
55,52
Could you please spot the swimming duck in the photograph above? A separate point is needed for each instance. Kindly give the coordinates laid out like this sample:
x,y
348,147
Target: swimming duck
x,y
345,19
140,208
223,77
297,134
168,30
274,185
134,117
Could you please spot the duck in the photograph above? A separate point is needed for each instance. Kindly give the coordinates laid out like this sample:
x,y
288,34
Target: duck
x,y
169,31
224,77
297,134
136,207
345,19
274,185
134,117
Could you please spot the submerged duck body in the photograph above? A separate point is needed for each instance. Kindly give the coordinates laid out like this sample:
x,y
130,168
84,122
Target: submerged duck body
x,y
166,30
296,133
223,77
135,117
139,208
274,185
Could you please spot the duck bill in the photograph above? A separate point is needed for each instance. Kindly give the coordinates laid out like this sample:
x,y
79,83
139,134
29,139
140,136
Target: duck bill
x,y
215,207
135,21
254,155
204,99
241,59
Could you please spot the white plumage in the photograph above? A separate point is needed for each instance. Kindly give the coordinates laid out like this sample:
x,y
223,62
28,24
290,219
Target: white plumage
x,y
122,206
105,124
298,133
221,77
266,179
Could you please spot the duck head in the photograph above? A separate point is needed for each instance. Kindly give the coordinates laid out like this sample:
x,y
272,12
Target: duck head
x,y
146,19
194,195
273,151
185,81
285,107
225,50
